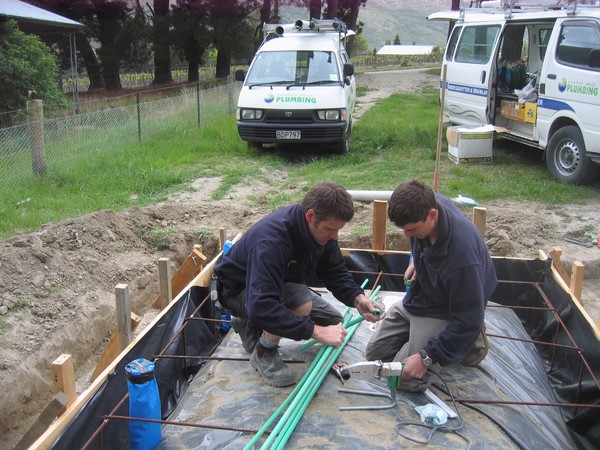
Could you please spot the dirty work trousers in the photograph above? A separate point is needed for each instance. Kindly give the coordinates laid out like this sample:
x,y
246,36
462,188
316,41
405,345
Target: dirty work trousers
x,y
400,335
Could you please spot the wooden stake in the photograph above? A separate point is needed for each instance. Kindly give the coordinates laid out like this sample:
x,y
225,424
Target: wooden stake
x,y
555,254
113,347
379,224
44,420
123,315
480,218
576,285
64,377
222,238
164,280
186,273
203,278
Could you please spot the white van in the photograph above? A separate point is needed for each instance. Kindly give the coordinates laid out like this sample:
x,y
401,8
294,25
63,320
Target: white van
x,y
534,73
300,87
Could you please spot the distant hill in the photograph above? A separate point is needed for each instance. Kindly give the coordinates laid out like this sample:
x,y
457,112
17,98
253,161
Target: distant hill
x,y
383,19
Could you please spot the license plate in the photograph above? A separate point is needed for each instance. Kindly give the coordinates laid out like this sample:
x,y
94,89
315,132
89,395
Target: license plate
x,y
288,134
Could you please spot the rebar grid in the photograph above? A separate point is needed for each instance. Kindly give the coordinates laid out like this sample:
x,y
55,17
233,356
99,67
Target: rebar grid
x,y
535,285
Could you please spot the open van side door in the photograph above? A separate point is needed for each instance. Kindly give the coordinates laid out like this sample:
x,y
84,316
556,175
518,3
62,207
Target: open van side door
x,y
471,72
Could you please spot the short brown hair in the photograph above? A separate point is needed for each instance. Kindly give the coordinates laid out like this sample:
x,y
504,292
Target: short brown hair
x,y
411,202
328,199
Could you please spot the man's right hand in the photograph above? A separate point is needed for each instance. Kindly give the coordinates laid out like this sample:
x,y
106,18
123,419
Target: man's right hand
x,y
333,335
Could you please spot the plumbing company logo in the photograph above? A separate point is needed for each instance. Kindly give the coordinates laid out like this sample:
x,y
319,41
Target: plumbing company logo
x,y
269,98
578,87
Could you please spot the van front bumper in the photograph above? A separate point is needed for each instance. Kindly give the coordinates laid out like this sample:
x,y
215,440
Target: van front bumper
x,y
262,132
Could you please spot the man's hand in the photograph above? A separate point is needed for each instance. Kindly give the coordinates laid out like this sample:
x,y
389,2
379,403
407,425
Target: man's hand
x,y
333,335
410,273
413,367
367,308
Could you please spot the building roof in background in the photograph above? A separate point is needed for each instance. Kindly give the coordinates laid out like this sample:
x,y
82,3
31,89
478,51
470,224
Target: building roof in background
x,y
33,19
405,50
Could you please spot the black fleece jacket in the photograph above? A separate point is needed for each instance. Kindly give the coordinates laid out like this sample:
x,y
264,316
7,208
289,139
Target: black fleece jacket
x,y
455,278
278,249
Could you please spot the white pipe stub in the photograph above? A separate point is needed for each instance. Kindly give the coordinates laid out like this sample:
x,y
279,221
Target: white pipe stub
x,y
369,196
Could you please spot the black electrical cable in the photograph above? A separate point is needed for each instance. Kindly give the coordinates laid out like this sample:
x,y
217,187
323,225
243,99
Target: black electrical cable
x,y
434,428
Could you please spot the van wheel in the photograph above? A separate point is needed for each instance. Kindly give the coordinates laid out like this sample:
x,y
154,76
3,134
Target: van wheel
x,y
343,146
567,159
254,145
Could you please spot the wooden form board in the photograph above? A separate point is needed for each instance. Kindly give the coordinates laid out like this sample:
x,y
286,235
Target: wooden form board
x,y
46,440
189,269
113,347
559,279
44,420
204,277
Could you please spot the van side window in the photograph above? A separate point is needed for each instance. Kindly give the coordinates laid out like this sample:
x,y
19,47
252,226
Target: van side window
x,y
452,43
476,44
544,38
579,45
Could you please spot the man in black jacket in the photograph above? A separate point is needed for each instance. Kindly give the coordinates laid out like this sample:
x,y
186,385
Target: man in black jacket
x,y
441,319
262,280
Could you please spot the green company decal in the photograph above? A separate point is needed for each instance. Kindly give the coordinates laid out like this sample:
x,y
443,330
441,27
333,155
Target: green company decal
x,y
295,99
579,87
582,89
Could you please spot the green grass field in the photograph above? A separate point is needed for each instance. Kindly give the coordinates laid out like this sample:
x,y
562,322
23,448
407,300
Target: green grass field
x,y
393,142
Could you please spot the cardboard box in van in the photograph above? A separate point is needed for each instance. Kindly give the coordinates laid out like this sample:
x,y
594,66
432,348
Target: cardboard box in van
x,y
470,144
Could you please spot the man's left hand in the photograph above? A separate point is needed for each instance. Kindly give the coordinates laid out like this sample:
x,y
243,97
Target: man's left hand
x,y
368,309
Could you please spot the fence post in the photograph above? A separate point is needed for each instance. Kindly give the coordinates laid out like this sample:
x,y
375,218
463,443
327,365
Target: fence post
x,y
198,100
139,118
35,118
230,94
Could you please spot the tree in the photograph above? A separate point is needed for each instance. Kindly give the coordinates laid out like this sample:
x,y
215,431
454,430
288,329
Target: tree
x,y
81,11
397,40
111,16
120,27
348,12
192,35
231,28
162,48
361,45
26,64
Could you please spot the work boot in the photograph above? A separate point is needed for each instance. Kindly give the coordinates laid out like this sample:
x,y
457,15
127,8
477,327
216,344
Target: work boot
x,y
268,363
479,352
249,336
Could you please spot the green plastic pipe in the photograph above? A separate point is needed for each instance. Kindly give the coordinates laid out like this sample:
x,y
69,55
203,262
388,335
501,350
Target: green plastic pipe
x,y
357,320
299,412
308,378
291,396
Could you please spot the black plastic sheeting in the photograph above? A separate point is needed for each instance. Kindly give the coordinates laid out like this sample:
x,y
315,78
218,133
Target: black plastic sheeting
x,y
571,382
173,375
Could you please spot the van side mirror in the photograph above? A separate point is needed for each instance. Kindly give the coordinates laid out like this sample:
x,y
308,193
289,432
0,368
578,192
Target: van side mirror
x,y
594,58
348,69
240,75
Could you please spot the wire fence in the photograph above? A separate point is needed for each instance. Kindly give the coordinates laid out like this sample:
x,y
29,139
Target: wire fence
x,y
49,145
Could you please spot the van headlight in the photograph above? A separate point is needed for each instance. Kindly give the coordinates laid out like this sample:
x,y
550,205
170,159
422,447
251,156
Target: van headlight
x,y
249,114
332,114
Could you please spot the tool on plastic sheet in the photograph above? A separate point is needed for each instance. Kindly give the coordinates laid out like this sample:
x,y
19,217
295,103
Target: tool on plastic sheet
x,y
373,369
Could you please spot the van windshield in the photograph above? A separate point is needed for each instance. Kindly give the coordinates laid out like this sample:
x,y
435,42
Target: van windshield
x,y
294,67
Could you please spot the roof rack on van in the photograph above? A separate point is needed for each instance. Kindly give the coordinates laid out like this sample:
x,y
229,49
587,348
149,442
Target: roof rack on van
x,y
272,30
510,7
